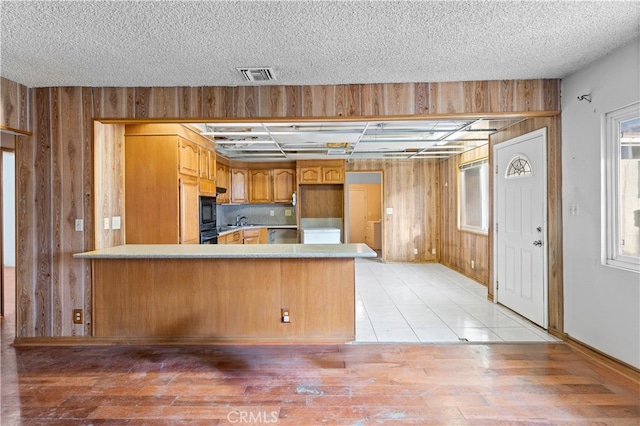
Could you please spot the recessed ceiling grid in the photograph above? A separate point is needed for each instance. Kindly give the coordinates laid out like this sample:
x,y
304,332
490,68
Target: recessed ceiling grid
x,y
406,139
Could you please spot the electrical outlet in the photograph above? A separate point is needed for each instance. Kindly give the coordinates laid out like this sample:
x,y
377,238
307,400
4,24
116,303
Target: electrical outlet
x,y
79,225
77,316
287,212
433,251
415,251
284,315
473,264
106,223
573,210
389,210
272,213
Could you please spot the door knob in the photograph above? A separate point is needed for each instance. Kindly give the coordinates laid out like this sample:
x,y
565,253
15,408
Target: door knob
x,y
538,243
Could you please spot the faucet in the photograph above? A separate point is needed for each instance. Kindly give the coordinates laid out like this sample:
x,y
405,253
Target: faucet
x,y
239,220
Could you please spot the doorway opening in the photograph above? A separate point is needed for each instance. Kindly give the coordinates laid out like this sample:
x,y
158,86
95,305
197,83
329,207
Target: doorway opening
x,y
363,195
7,224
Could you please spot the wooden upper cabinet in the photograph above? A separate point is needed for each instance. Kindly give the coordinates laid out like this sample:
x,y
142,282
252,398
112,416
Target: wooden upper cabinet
x,y
239,185
207,172
188,158
212,165
331,171
333,174
222,180
284,184
207,169
310,174
260,187
203,169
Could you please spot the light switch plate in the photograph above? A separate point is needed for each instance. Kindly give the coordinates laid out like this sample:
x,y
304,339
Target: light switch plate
x,y
389,210
115,222
79,225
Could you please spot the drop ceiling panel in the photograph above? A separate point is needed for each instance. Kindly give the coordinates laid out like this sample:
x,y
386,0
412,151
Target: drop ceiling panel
x,y
416,139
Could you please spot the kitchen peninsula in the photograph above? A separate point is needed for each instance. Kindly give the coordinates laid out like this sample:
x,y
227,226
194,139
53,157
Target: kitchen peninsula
x,y
232,293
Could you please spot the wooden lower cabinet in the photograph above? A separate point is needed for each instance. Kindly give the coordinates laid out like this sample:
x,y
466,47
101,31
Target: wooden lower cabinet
x,y
189,215
246,236
255,236
235,300
232,238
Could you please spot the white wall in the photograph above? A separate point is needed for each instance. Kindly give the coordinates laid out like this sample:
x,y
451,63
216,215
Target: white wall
x,y
601,303
8,199
9,208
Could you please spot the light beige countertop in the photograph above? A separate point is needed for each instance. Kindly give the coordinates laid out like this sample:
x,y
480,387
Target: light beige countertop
x,y
229,251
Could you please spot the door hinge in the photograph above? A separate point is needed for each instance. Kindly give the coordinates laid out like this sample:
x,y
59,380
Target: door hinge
x,y
497,285
496,169
496,227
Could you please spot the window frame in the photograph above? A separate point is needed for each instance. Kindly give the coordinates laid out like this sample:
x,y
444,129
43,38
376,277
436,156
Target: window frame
x,y
611,151
480,163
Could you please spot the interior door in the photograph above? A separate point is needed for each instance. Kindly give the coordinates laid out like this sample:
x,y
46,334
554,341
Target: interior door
x,y
357,215
520,225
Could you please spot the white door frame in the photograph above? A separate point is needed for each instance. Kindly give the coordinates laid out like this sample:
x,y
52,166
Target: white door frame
x,y
545,255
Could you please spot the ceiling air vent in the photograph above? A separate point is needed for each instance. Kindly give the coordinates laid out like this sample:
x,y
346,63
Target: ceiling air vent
x,y
257,74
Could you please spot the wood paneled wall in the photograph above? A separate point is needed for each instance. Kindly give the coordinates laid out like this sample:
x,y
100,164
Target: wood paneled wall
x,y
108,172
411,189
55,173
458,248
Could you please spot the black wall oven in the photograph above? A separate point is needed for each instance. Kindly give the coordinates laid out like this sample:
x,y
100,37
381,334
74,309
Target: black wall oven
x,y
208,229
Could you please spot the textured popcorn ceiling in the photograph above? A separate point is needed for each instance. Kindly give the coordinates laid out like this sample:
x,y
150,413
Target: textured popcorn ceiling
x,y
198,43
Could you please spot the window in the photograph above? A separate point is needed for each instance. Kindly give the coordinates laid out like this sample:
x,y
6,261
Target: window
x,y
519,166
474,196
622,187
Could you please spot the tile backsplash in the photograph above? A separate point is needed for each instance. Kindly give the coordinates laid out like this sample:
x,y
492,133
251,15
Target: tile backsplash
x,y
257,214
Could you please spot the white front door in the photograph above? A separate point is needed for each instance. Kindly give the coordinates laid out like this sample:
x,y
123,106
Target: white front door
x,y
520,198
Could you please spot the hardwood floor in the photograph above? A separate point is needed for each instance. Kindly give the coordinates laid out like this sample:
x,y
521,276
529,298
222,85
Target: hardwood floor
x,y
359,384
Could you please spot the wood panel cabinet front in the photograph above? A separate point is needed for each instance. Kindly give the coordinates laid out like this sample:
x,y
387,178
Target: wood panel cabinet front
x,y
189,221
284,184
260,188
255,236
189,158
332,174
222,180
207,172
203,168
313,172
178,298
239,185
310,174
151,207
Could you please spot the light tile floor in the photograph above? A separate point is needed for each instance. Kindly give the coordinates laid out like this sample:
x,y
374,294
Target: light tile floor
x,y
428,302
